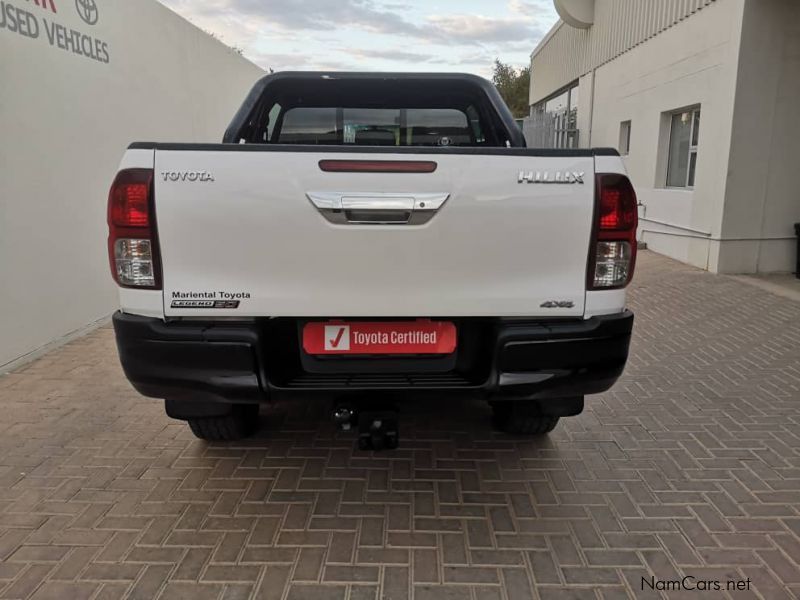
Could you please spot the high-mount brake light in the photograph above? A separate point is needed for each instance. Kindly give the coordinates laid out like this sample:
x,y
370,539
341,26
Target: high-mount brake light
x,y
132,241
378,166
612,254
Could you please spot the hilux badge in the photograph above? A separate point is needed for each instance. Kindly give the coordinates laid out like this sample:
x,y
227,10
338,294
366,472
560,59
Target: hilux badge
x,y
554,177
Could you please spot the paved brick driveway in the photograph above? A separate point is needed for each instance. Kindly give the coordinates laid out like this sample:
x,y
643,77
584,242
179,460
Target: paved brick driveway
x,y
690,466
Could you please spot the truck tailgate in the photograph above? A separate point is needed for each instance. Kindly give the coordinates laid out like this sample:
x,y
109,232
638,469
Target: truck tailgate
x,y
245,232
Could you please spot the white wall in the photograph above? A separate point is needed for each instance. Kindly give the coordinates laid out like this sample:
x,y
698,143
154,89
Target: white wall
x,y
567,53
739,60
694,62
763,196
66,119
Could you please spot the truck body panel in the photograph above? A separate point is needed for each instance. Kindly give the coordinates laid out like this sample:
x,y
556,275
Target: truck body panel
x,y
250,233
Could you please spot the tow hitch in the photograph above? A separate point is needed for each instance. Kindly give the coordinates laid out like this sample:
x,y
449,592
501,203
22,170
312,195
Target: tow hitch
x,y
377,427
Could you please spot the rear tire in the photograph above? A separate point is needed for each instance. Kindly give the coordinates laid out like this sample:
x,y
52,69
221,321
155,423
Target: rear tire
x,y
241,422
522,418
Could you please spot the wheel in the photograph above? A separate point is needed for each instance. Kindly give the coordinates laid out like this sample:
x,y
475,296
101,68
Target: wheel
x,y
241,422
522,417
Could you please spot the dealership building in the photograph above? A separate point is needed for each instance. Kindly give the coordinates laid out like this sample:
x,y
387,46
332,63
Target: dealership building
x,y
79,81
702,98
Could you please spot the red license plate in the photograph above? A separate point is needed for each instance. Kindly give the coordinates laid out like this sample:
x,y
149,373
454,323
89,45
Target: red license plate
x,y
379,337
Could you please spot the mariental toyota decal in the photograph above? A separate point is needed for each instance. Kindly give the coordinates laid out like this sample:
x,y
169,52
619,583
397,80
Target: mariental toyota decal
x,y
377,337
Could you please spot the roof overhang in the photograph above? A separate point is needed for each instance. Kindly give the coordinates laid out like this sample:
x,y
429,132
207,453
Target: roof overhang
x,y
547,37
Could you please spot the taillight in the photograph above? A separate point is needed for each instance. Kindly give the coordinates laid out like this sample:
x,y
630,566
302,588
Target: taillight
x,y
612,255
132,240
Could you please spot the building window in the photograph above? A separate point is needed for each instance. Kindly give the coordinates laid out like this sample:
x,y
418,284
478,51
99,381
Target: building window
x,y
554,121
683,139
625,138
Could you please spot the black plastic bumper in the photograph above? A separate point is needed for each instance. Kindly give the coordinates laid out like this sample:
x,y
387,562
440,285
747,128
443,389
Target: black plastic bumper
x,y
247,361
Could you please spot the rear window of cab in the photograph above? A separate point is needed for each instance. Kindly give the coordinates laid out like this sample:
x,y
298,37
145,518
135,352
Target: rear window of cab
x,y
376,127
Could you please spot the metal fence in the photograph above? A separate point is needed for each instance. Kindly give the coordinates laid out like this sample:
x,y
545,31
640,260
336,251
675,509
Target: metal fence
x,y
546,130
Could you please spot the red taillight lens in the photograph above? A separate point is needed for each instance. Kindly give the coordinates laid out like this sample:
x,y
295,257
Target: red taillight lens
x,y
612,255
617,204
132,242
128,201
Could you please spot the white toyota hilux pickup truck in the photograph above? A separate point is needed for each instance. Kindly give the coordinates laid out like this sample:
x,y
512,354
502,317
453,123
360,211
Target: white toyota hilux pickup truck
x,y
371,236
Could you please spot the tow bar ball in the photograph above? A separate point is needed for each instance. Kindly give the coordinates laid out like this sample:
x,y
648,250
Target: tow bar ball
x,y
345,417
377,430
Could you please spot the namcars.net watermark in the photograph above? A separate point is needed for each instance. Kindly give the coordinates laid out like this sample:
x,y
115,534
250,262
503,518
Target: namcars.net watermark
x,y
690,583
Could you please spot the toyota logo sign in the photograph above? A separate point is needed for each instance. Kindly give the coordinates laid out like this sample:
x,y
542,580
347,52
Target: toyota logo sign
x,y
87,9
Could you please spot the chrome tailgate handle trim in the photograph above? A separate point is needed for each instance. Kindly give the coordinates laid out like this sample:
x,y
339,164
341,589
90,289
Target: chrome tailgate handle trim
x,y
377,203
377,208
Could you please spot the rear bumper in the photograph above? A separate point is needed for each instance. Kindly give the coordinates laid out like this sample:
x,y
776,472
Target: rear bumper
x,y
248,361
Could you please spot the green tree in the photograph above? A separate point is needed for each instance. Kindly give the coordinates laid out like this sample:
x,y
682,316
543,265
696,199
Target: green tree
x,y
513,86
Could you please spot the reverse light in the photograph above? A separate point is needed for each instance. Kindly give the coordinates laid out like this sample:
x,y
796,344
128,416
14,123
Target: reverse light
x,y
133,261
132,241
612,264
612,257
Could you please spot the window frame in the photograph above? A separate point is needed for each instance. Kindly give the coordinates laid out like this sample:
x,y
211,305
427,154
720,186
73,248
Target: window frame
x,y
625,127
566,134
694,143
375,90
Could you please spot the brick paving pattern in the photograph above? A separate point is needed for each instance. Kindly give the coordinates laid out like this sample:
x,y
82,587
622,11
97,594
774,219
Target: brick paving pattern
x,y
689,466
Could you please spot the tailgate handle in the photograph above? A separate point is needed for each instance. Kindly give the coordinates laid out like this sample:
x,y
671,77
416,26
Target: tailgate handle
x,y
382,208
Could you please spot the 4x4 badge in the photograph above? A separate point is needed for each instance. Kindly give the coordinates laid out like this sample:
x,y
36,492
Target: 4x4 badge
x,y
558,304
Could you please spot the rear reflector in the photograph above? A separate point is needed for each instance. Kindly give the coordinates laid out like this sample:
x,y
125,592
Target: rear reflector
x,y
132,242
377,166
613,252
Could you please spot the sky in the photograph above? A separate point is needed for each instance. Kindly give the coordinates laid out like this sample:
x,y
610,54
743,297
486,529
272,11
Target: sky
x,y
376,35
